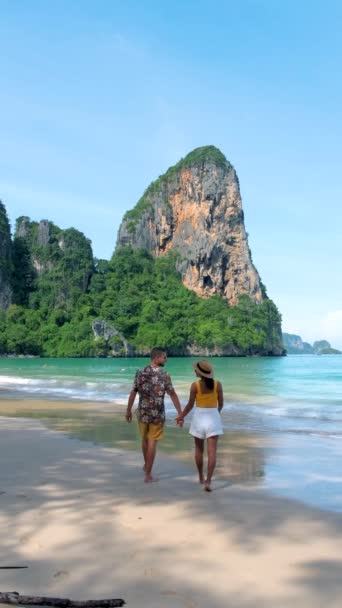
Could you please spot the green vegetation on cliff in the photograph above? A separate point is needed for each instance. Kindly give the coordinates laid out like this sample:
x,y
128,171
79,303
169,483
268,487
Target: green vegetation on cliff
x,y
52,267
5,245
58,301
143,298
6,263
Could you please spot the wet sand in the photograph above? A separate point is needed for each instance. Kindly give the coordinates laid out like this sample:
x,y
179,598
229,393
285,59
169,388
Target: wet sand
x,y
298,466
82,520
241,456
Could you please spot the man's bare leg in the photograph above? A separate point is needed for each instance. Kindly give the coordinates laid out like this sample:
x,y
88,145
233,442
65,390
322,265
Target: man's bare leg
x,y
150,456
199,449
144,451
212,448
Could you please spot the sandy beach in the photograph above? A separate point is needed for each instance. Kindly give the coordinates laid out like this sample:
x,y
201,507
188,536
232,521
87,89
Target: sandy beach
x,y
86,526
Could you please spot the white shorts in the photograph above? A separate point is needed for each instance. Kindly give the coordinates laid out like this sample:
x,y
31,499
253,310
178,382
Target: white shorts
x,y
206,422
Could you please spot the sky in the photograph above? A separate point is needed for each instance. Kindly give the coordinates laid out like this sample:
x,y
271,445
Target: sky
x,y
97,99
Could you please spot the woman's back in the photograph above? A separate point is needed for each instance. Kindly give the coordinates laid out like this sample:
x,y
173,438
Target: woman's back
x,y
206,397
206,422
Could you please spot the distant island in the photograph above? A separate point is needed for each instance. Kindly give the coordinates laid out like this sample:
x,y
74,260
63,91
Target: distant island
x,y
295,346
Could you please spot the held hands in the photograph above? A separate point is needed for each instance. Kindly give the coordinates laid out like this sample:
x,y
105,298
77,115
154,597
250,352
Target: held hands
x,y
179,420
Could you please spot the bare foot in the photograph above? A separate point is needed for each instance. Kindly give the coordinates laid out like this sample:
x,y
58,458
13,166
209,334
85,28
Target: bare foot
x,y
201,480
150,479
207,487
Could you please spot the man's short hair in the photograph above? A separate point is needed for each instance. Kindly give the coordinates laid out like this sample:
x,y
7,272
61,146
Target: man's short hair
x,y
156,352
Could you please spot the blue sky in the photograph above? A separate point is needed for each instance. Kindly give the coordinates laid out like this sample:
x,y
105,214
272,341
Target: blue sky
x,y
99,98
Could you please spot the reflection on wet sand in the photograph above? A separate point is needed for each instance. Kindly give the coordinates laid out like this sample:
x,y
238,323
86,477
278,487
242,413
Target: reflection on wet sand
x,y
241,455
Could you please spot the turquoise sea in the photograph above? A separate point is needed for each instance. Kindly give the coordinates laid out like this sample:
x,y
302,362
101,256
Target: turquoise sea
x,y
296,401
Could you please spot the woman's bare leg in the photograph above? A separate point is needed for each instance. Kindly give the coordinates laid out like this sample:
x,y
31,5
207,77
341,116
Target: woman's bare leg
x,y
212,448
199,450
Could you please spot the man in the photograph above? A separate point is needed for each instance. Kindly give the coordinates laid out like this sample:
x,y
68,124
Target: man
x,y
152,383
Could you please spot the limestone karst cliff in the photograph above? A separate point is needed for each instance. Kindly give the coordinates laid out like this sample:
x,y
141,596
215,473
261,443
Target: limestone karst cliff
x,y
5,259
60,262
61,302
295,346
195,209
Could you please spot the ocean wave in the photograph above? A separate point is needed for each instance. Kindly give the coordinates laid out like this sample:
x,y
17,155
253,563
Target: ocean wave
x,y
14,381
331,411
53,388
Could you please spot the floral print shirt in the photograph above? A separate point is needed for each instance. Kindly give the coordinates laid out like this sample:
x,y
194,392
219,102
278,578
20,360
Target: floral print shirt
x,y
152,383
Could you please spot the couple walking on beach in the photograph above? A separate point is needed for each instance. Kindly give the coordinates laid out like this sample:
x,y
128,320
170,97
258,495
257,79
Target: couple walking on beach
x,y
151,383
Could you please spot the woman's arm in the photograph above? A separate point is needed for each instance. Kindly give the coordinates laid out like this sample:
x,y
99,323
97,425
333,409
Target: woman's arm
x,y
220,396
190,404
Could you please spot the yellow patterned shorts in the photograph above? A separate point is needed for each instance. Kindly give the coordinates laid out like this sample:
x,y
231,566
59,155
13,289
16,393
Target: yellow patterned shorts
x,y
151,430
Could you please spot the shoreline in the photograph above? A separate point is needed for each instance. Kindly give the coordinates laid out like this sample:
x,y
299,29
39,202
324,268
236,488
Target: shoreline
x,y
285,464
82,520
103,424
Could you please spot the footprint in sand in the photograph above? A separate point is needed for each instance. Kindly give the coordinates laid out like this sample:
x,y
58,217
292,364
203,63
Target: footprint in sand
x,y
30,542
61,574
187,602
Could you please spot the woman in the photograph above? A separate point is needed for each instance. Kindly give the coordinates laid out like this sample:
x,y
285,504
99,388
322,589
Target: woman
x,y
206,421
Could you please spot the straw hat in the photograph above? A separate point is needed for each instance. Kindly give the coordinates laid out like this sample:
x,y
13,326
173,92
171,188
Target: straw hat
x,y
204,369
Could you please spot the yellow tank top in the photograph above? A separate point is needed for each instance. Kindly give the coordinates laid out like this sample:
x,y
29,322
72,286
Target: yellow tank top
x,y
206,399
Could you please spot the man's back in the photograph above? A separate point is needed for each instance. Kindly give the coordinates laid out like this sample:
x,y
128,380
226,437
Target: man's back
x,y
152,383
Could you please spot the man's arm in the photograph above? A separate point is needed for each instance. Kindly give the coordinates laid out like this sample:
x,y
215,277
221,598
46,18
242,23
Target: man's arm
x,y
190,404
174,398
130,403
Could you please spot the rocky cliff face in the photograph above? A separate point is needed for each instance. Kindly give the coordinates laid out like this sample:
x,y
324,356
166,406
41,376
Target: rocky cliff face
x,y
62,259
38,237
295,345
5,259
195,209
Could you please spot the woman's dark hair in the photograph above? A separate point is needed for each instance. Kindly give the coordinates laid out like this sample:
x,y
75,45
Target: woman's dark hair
x,y
209,382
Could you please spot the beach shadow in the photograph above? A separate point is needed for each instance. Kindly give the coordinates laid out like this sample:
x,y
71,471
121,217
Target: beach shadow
x,y
96,498
322,577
